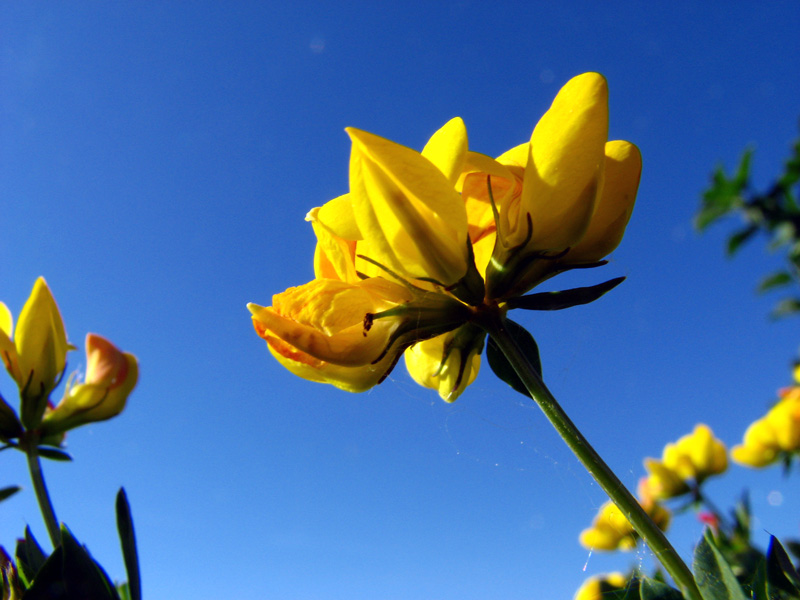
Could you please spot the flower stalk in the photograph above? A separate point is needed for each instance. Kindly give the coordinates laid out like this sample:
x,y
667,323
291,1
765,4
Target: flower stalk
x,y
30,446
493,323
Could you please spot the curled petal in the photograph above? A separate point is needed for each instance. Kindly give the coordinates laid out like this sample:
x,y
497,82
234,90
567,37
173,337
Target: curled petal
x,y
447,149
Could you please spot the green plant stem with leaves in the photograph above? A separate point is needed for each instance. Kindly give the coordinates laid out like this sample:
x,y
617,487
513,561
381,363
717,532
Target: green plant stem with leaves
x,y
30,447
494,324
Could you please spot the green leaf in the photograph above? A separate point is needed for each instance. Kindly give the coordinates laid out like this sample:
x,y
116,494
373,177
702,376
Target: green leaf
x,y
8,491
759,587
739,238
564,298
785,308
10,427
53,454
713,574
127,538
781,573
650,589
774,280
499,363
30,557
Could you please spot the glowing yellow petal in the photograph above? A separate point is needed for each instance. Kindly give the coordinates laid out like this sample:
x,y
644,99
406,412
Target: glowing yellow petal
x,y
8,350
623,167
445,365
447,149
408,211
565,164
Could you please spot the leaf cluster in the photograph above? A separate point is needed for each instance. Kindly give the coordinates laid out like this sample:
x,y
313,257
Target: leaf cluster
x,y
69,572
774,213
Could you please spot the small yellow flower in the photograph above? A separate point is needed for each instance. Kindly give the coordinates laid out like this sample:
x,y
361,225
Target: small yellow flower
x,y
447,363
111,376
773,435
37,356
611,530
598,587
689,461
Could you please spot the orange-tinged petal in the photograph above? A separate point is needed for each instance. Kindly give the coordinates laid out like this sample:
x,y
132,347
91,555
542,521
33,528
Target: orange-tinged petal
x,y
564,167
408,211
111,376
324,320
623,168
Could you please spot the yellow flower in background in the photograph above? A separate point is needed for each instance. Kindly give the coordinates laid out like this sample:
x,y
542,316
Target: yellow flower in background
x,y
611,530
37,356
686,463
111,376
774,435
597,587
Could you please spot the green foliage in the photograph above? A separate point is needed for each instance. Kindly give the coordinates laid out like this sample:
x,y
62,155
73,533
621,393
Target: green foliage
x,y
774,213
652,589
127,539
713,574
499,363
8,491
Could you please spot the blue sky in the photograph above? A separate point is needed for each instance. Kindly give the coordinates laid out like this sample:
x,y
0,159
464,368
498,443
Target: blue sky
x,y
156,163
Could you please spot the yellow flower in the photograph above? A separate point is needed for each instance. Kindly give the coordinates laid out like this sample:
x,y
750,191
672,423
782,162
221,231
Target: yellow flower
x,y
37,356
111,376
447,363
350,334
773,435
598,587
407,210
611,530
691,460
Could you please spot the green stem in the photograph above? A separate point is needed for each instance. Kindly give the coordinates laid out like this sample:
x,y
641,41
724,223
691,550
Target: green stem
x,y
45,505
597,468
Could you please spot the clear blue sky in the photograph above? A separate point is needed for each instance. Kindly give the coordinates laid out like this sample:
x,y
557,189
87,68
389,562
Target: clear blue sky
x,y
156,163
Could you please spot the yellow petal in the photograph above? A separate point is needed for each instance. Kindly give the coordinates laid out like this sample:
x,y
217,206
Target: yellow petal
x,y
407,210
447,149
334,256
623,168
8,350
564,167
337,215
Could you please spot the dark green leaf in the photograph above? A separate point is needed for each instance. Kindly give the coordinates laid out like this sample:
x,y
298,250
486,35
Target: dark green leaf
x,y
499,363
781,573
123,589
30,557
53,454
777,279
650,589
713,574
759,587
739,238
786,308
10,427
564,298
127,538
8,491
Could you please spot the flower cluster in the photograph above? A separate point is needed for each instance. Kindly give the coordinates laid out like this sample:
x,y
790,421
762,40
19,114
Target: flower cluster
x,y
774,436
685,464
35,355
611,530
426,243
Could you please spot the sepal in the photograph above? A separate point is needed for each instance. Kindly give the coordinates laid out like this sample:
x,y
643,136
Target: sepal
x,y
565,298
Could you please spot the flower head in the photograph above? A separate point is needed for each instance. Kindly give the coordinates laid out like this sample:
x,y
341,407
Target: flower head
x,y
689,461
111,376
37,356
430,242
